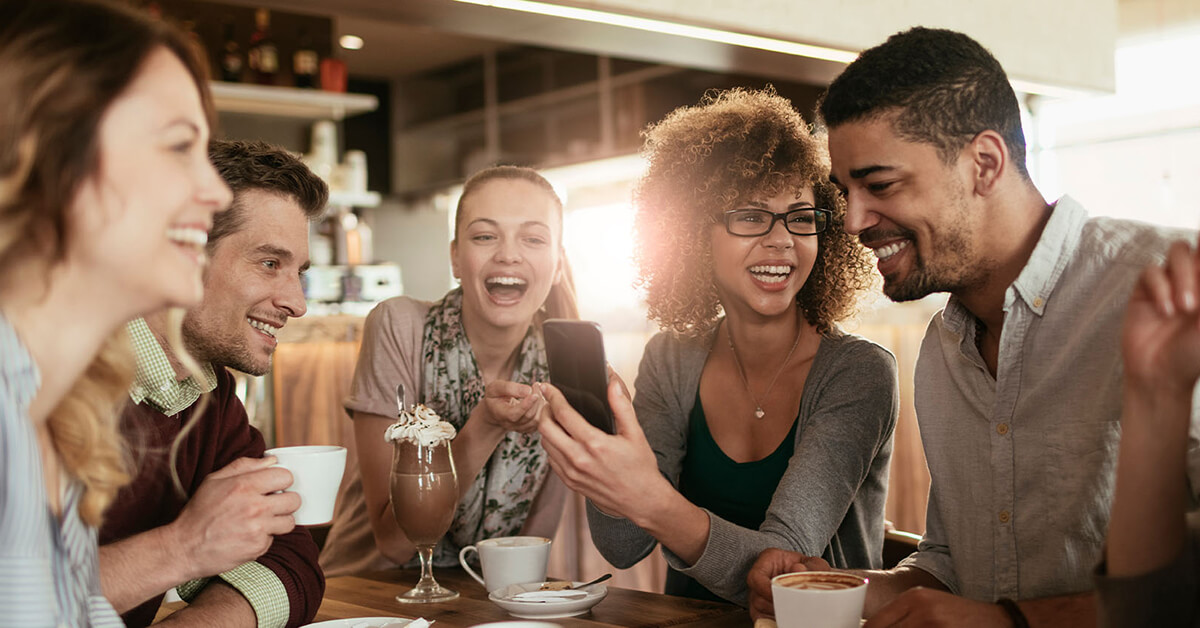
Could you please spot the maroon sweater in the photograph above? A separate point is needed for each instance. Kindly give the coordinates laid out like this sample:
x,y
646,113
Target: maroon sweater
x,y
221,435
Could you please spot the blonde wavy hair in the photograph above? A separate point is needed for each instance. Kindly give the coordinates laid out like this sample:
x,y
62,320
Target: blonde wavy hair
x,y
734,146
64,62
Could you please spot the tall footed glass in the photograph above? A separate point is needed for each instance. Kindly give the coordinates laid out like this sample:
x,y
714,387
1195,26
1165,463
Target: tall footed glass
x,y
424,489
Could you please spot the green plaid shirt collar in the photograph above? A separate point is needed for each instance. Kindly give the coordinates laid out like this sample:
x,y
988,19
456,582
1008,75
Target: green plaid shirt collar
x,y
155,382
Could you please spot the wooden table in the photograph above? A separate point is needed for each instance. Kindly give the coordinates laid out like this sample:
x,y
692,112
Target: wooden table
x,y
373,595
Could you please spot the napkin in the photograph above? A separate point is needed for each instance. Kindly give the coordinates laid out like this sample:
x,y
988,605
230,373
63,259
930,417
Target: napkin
x,y
416,623
549,596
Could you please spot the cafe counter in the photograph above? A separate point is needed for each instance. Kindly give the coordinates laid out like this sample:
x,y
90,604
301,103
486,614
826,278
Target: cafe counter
x,y
313,367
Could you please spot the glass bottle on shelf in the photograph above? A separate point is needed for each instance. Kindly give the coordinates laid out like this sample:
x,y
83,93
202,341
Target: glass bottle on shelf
x,y
305,62
232,62
263,55
193,40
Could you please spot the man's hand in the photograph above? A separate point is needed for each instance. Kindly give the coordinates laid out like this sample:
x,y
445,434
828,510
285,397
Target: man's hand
x,y
511,406
233,517
931,608
771,563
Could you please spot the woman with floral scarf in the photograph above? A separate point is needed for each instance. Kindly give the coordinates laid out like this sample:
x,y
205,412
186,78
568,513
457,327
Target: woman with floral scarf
x,y
472,357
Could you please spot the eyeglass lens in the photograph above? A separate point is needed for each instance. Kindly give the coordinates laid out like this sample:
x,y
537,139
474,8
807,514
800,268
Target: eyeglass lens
x,y
755,222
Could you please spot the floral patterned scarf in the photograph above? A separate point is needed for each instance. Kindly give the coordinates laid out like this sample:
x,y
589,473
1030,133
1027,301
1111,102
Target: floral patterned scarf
x,y
502,494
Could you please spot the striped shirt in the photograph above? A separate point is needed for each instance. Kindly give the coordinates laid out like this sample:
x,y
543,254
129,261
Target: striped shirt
x,y
49,574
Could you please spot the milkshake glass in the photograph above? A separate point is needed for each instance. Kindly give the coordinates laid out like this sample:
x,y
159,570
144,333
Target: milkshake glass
x,y
424,488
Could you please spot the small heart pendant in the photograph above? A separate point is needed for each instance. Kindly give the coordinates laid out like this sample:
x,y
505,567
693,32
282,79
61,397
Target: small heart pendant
x,y
758,413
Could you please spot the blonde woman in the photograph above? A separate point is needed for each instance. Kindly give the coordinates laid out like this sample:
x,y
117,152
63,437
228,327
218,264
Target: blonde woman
x,y
473,356
106,196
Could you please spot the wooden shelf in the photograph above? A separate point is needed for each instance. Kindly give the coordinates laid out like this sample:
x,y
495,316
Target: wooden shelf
x,y
289,102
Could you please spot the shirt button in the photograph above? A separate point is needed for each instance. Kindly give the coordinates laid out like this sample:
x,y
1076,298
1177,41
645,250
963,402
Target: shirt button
x,y
1038,302
1002,429
1004,516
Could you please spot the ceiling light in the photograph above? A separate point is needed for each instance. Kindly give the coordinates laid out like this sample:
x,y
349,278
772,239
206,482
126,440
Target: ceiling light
x,y
672,28
350,42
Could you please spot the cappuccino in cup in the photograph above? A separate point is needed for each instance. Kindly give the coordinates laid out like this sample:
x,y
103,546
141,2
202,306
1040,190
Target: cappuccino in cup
x,y
818,599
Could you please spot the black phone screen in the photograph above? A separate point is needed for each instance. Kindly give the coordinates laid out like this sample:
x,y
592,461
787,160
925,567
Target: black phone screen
x,y
575,354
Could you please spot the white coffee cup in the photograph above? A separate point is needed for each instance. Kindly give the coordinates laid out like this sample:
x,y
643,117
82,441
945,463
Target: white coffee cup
x,y
316,473
818,599
508,560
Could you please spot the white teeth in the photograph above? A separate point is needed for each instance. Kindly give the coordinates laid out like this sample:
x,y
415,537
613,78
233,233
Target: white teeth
x,y
263,327
506,281
188,235
771,273
771,270
884,252
770,278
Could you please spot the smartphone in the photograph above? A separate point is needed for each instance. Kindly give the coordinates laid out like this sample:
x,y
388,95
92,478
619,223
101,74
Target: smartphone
x,y
575,355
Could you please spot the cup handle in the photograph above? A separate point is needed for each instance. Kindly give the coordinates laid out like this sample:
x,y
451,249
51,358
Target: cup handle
x,y
462,560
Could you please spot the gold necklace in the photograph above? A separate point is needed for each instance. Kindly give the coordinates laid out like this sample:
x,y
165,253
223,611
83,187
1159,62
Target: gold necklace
x,y
758,411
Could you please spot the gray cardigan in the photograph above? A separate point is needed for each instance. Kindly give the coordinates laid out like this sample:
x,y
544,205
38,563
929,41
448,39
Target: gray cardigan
x,y
830,500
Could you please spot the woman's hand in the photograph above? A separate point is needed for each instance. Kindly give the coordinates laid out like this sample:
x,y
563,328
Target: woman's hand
x,y
1161,348
510,406
617,472
1161,337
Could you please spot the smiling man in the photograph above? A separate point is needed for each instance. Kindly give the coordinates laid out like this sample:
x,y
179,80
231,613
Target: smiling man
x,y
228,541
1018,385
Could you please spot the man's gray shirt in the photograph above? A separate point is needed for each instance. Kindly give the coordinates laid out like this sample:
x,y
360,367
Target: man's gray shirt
x,y
1023,464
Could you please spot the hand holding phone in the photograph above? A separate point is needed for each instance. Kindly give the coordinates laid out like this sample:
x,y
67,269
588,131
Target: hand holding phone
x,y
575,354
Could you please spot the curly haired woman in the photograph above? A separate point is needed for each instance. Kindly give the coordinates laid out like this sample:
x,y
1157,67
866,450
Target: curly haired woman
x,y
757,422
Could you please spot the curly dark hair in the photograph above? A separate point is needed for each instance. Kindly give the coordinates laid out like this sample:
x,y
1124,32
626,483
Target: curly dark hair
x,y
733,146
944,87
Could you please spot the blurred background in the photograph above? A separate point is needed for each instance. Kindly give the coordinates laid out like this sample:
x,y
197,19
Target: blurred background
x,y
396,102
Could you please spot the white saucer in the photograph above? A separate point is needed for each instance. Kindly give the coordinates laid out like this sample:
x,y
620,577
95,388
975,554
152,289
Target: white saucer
x,y
355,622
546,610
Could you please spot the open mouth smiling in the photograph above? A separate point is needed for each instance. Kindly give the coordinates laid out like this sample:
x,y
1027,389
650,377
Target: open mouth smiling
x,y
265,328
191,239
771,273
886,251
506,287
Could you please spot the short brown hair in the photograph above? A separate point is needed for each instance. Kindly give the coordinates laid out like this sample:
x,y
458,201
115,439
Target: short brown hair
x,y
256,165
702,160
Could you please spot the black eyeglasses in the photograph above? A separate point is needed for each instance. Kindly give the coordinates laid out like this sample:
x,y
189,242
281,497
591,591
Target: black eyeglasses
x,y
755,222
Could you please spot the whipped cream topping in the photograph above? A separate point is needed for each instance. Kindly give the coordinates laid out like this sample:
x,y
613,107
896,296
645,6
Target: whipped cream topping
x,y
420,426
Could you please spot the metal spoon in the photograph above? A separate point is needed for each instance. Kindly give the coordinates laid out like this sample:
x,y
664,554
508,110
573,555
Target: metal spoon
x,y
596,581
401,400
560,585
